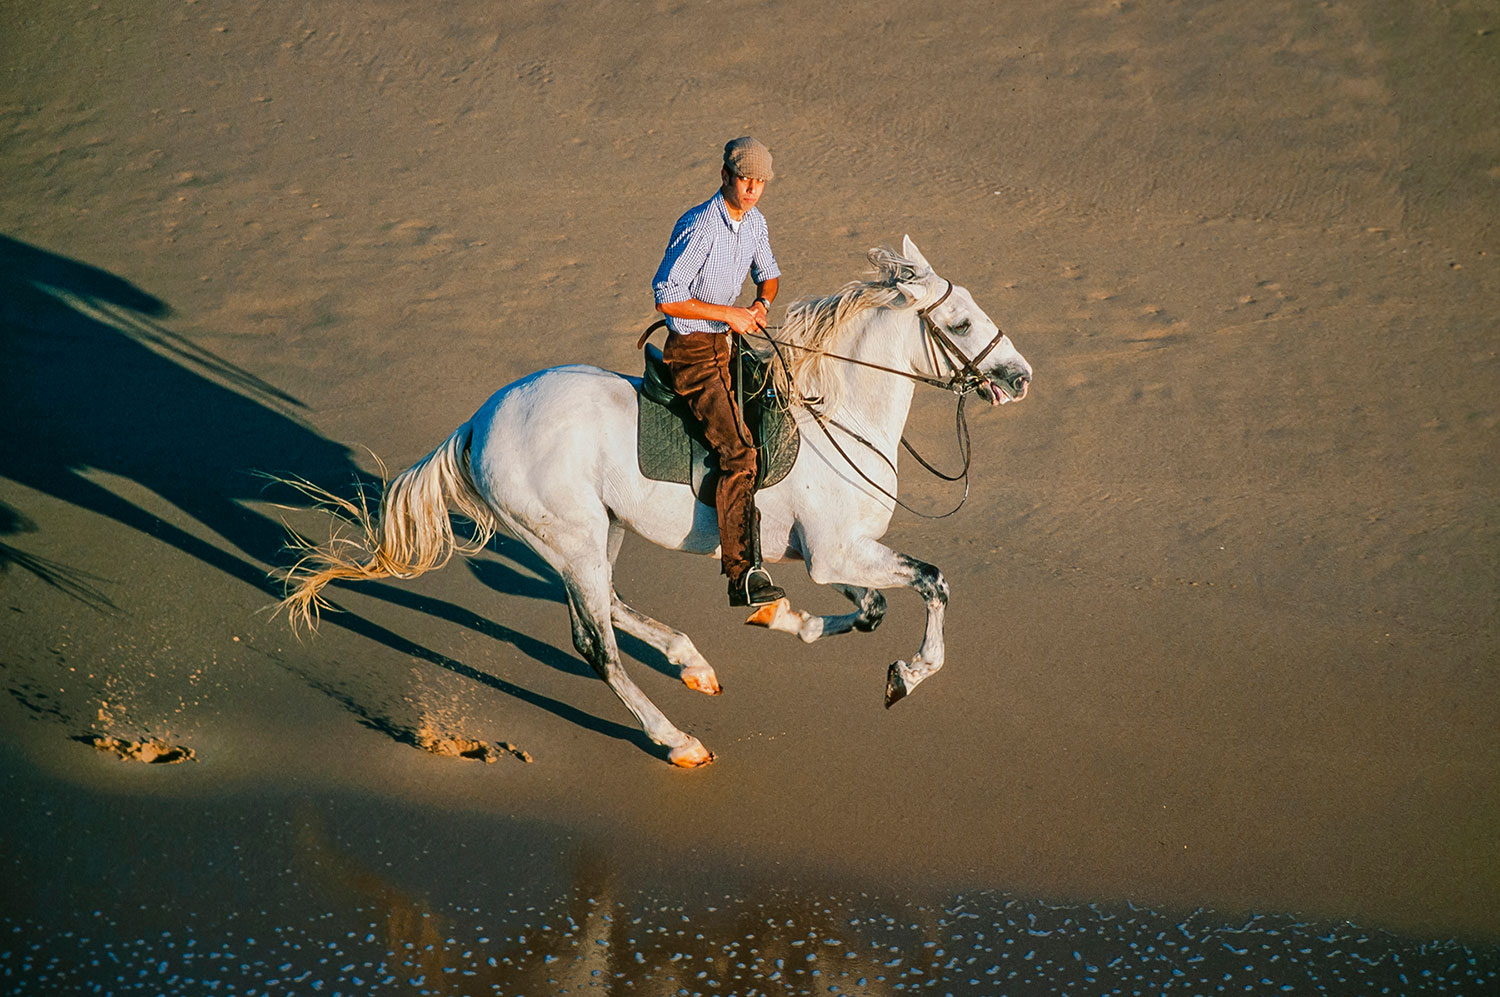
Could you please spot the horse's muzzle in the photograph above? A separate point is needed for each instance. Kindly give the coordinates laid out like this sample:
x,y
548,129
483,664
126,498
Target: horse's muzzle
x,y
1006,386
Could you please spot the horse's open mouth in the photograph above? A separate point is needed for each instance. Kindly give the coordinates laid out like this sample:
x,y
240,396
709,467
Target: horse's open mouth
x,y
999,390
995,392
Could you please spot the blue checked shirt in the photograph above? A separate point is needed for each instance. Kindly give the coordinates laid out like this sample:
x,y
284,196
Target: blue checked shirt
x,y
707,259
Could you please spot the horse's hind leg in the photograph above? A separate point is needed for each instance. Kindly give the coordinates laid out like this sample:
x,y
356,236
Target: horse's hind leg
x,y
781,616
586,579
594,638
694,669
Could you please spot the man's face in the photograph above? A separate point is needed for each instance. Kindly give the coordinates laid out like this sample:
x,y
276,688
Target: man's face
x,y
742,192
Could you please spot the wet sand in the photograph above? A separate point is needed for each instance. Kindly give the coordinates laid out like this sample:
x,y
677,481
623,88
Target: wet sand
x,y
1223,627
322,892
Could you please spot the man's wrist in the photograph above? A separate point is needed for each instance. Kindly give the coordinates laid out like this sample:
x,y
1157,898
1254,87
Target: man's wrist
x,y
761,299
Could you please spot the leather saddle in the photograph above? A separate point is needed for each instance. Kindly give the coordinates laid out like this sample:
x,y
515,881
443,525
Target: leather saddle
x,y
671,448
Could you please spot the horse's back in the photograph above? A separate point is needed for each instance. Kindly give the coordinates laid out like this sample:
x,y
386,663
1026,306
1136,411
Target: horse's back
x,y
557,396
560,444
558,418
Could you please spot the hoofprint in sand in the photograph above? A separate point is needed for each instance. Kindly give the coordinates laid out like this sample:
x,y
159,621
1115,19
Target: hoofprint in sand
x,y
552,460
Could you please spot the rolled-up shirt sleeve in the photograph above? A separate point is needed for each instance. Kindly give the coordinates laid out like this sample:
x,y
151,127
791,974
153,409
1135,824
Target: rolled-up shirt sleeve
x,y
686,253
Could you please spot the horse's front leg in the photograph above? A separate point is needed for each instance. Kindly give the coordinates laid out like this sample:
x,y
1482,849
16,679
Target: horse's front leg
x,y
872,565
780,615
928,582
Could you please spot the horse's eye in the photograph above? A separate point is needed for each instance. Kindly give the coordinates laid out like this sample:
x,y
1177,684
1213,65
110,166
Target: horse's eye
x,y
963,327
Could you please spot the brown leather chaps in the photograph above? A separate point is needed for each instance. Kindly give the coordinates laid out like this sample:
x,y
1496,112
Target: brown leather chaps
x,y
699,363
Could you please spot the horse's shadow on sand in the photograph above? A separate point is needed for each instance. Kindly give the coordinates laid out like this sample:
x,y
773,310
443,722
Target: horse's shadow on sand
x,y
92,383
544,583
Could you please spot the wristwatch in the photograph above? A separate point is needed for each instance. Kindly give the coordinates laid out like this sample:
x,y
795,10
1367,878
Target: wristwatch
x,y
762,298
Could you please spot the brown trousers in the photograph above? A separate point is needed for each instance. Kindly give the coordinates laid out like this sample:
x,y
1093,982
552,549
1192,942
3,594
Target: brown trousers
x,y
699,362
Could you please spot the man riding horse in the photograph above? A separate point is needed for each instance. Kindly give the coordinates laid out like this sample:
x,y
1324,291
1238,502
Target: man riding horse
x,y
713,247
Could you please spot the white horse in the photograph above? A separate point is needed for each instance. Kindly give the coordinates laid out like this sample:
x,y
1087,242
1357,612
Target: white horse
x,y
551,459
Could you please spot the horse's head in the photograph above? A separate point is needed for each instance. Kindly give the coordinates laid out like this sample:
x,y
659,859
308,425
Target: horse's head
x,y
958,337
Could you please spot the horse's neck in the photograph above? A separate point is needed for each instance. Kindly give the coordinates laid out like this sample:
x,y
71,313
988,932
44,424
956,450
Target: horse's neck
x,y
875,403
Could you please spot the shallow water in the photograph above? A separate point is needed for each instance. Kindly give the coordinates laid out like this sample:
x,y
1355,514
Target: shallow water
x,y
303,894
786,943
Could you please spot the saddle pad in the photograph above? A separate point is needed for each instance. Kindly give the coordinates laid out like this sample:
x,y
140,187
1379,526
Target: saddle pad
x,y
668,451
664,450
779,441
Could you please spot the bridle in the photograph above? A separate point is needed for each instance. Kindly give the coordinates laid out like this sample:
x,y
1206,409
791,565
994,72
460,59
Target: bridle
x,y
966,373
965,377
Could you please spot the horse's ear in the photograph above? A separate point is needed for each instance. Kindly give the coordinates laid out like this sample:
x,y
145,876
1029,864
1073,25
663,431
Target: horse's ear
x,y
911,252
910,279
912,288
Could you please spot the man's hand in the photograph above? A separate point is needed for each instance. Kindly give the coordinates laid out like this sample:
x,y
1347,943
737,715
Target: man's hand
x,y
743,321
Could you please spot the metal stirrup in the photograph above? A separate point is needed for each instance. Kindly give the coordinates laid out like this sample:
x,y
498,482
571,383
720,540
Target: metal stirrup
x,y
755,569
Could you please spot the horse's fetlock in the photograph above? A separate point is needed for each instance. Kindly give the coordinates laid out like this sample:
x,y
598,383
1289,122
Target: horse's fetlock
x,y
680,651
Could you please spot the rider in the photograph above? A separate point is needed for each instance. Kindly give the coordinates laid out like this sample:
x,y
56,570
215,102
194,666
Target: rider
x,y
713,247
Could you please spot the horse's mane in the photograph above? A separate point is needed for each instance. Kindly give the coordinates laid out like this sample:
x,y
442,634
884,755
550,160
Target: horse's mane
x,y
820,325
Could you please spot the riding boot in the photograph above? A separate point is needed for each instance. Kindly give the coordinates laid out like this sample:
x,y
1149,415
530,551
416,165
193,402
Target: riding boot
x,y
753,587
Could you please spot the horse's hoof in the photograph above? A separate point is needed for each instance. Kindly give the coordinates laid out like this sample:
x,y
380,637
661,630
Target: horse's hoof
x,y
702,680
766,615
895,685
691,755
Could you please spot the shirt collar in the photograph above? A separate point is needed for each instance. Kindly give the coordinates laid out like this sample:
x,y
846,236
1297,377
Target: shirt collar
x,y
723,207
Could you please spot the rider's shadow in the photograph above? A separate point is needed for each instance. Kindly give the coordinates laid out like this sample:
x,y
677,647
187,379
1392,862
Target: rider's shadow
x,y
91,383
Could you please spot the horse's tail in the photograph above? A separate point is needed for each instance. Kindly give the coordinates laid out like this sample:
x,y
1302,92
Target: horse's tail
x,y
411,534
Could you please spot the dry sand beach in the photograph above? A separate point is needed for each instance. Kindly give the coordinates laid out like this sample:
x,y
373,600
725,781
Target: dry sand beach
x,y
1222,639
